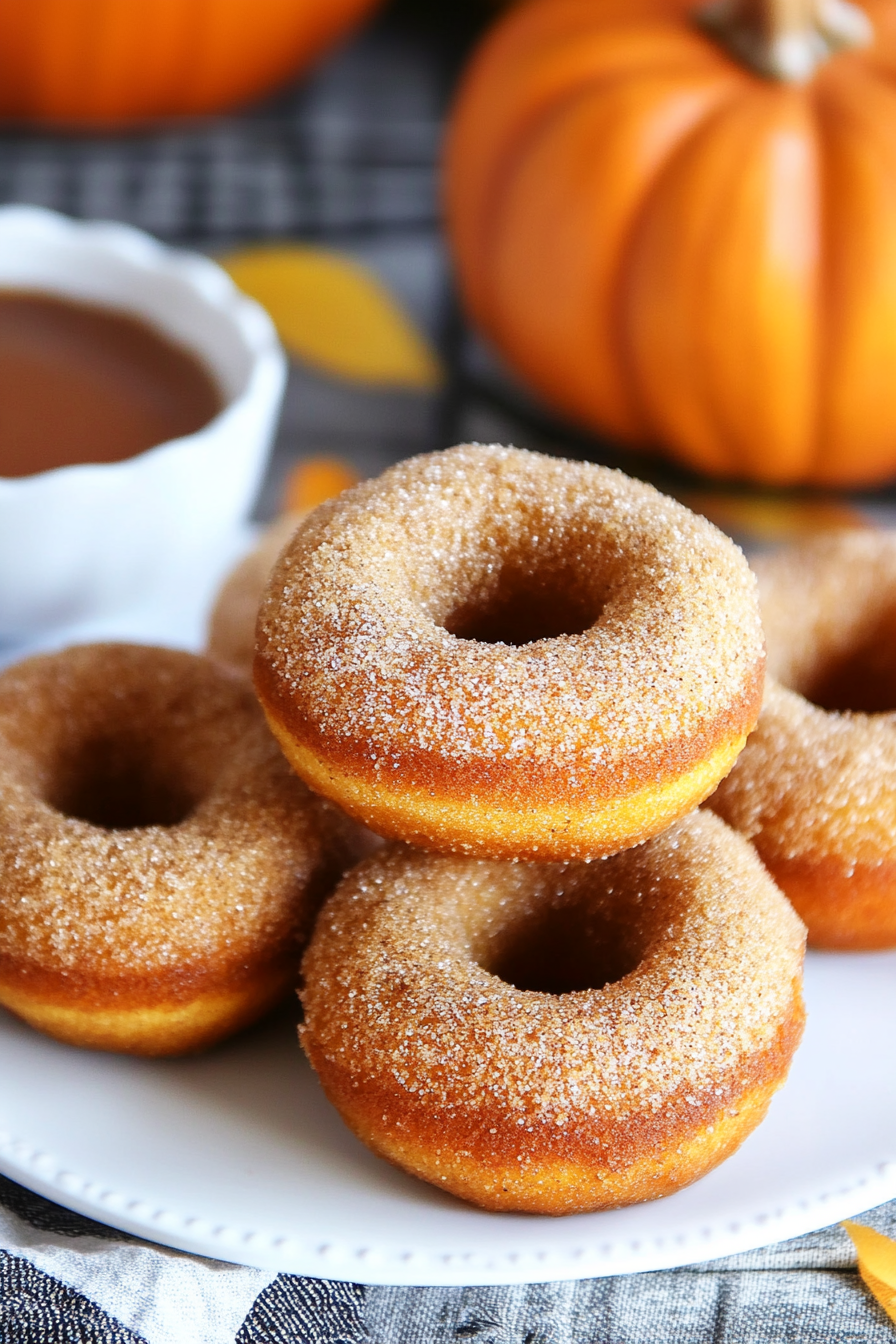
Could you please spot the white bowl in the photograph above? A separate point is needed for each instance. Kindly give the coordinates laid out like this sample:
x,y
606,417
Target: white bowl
x,y
95,551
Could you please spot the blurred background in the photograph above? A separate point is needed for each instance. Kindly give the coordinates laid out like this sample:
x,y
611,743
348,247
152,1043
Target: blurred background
x,y
344,157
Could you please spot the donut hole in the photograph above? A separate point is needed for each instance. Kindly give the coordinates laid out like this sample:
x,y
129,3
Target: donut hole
x,y
861,677
120,784
559,950
521,606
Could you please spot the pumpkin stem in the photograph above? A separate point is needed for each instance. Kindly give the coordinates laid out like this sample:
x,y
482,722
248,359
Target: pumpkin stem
x,y
786,39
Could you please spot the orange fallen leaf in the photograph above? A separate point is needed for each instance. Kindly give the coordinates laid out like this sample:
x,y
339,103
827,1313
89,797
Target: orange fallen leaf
x,y
877,1264
313,481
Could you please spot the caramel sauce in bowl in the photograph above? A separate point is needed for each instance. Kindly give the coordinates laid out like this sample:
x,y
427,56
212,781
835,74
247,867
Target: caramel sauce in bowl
x,y
81,383
136,415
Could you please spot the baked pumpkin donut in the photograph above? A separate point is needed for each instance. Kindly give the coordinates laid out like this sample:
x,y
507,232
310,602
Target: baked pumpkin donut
x,y
231,627
231,631
160,866
815,789
493,652
556,1038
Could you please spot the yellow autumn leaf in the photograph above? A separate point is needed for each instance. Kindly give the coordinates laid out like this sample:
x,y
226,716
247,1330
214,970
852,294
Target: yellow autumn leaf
x,y
877,1264
335,314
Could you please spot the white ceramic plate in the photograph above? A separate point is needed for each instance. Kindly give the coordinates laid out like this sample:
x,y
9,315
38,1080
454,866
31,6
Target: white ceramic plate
x,y
236,1154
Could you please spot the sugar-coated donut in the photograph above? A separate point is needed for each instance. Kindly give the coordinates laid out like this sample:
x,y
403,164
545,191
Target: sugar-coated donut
x,y
231,629
557,1038
493,652
160,866
231,634
815,788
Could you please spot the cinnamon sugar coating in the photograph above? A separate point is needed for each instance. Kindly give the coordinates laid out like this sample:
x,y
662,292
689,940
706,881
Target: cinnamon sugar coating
x,y
436,1017
815,789
160,866
231,629
494,652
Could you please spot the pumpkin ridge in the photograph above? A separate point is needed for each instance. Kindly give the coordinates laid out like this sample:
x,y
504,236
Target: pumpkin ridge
x,y
820,100
624,261
733,430
668,118
527,121
857,129
686,101
731,287
711,458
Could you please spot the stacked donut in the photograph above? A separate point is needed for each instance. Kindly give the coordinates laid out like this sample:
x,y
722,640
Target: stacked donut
x,y
489,656
815,789
560,988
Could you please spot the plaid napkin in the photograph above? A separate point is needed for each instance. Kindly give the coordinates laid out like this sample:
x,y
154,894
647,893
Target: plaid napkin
x,y
65,1278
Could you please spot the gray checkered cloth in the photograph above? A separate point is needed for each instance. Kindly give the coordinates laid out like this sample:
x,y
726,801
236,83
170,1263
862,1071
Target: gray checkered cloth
x,y
349,157
66,1279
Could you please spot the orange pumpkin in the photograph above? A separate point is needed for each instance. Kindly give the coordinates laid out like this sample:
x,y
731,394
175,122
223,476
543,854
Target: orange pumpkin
x,y
678,250
117,61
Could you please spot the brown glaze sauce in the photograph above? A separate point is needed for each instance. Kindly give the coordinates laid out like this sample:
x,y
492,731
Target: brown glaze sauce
x,y
82,383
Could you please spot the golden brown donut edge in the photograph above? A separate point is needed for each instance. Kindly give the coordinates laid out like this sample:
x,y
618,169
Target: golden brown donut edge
x,y
151,938
553,1102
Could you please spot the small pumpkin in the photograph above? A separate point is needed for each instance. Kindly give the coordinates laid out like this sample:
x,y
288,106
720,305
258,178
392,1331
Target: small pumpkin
x,y
113,62
681,229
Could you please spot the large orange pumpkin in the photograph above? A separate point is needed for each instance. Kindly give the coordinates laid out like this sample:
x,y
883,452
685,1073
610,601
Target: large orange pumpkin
x,y
117,61
678,250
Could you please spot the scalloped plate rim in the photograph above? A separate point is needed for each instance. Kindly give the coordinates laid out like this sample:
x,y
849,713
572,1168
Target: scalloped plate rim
x,y
386,1258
